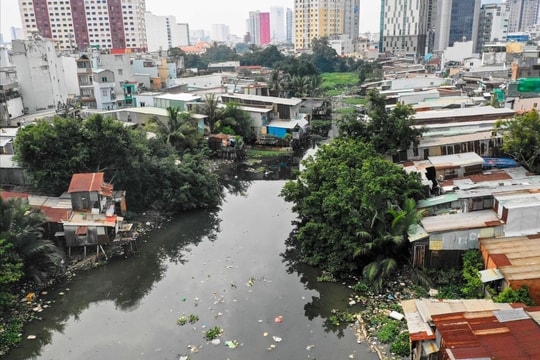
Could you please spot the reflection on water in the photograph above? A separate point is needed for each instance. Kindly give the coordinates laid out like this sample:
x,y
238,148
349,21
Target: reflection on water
x,y
230,267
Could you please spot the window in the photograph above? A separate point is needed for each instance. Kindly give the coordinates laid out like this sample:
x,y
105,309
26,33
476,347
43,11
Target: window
x,y
105,92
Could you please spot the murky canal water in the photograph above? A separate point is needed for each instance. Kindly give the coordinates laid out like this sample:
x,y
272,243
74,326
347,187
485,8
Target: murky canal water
x,y
227,267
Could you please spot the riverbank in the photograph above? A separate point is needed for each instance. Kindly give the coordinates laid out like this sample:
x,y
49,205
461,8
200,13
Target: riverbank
x,y
381,324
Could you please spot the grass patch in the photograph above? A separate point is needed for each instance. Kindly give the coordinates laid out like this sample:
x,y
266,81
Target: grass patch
x,y
355,101
340,80
346,111
262,152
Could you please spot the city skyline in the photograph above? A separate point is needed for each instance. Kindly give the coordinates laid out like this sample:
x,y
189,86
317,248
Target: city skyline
x,y
198,17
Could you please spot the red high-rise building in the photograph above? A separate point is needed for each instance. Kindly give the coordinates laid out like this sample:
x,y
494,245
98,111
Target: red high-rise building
x,y
264,21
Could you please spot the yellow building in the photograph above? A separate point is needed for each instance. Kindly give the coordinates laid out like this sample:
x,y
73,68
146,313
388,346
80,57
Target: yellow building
x,y
324,18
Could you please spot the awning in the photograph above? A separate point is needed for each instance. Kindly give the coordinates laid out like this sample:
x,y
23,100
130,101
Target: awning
x,y
291,124
490,275
429,347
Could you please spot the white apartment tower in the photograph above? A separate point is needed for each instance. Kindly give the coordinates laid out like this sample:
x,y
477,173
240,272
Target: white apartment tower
x,y
523,14
220,32
404,26
163,33
493,24
325,18
277,24
78,24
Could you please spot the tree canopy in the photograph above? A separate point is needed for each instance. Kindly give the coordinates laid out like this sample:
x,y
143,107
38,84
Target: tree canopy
x,y
521,139
153,172
388,130
348,200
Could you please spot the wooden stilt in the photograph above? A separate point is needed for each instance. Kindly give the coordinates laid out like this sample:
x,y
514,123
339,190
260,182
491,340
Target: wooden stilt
x,y
103,251
85,251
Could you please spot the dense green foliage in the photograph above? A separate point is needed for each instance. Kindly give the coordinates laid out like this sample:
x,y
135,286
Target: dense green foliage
x,y
153,172
402,345
322,59
349,202
23,247
521,139
388,130
510,295
388,332
472,264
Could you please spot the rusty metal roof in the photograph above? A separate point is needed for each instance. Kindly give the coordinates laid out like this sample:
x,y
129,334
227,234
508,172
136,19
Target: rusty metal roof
x,y
473,335
55,214
517,258
462,221
6,195
90,182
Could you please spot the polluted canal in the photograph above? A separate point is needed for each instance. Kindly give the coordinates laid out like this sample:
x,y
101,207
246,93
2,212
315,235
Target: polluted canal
x,y
225,271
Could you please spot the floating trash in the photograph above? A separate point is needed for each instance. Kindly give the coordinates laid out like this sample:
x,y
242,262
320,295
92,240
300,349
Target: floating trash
x,y
310,347
231,344
251,281
278,319
265,334
31,337
216,342
276,338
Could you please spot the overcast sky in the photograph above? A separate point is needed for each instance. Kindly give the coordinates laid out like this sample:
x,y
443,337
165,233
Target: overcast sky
x,y
201,14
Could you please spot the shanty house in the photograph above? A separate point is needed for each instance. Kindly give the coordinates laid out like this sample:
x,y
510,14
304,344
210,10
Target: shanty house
x,y
514,261
505,334
441,240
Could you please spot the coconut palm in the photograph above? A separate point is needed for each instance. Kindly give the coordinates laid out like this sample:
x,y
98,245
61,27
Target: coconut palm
x,y
21,226
211,109
179,130
386,244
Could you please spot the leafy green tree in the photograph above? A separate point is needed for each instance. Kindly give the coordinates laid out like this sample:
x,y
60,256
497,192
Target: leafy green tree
x,y
388,130
324,57
521,139
339,196
52,152
11,271
129,160
472,264
299,66
220,53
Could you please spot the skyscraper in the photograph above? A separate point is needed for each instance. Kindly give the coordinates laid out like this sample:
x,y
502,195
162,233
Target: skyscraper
x,y
264,28
220,32
456,20
523,14
404,26
325,18
254,27
106,24
162,32
290,28
277,24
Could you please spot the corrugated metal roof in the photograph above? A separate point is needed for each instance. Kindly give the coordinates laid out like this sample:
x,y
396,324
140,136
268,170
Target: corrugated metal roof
x,y
86,182
490,275
291,124
455,160
5,195
481,335
461,221
454,139
265,99
517,258
55,214
470,111
179,97
437,200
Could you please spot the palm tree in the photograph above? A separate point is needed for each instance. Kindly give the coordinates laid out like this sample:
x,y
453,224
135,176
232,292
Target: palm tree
x,y
22,227
211,109
315,89
385,245
299,86
179,129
